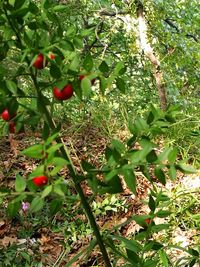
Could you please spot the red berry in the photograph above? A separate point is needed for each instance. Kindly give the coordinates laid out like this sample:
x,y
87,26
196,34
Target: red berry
x,y
57,93
148,221
40,180
67,91
81,77
52,56
12,127
40,62
5,115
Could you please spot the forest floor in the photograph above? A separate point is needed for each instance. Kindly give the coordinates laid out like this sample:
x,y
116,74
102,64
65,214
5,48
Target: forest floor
x,y
46,241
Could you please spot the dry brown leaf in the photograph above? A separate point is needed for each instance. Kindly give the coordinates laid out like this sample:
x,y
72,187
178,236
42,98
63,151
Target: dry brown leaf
x,y
7,240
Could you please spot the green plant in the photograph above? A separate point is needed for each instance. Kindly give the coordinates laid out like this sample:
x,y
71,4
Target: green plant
x,y
35,28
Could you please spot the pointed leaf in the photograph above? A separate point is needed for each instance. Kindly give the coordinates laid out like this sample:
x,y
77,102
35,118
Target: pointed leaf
x,y
20,183
160,175
37,204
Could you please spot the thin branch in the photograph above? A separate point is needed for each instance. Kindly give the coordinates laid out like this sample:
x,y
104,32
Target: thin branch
x,y
172,24
113,13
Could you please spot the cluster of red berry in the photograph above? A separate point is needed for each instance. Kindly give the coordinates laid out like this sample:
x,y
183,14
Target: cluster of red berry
x,y
64,94
6,116
67,91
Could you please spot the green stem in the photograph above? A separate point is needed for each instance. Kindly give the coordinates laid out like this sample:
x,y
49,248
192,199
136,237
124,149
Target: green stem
x,y
73,174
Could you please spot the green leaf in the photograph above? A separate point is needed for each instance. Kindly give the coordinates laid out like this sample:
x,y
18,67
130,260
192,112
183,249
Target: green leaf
x,y
160,175
71,31
121,85
55,71
2,20
57,161
86,166
150,117
152,203
164,155
113,186
150,263
86,86
78,42
152,156
53,148
60,8
130,179
66,45
38,171
12,87
46,4
46,131
132,257
55,170
27,39
103,67
140,125
34,151
33,8
110,175
130,244
13,208
119,146
11,2
163,213
55,206
51,138
46,191
87,32
58,190
88,63
119,66
164,258
20,183
172,155
103,84
131,141
186,168
26,256
37,204
74,65
159,227
152,245
193,252
19,4
172,172
20,12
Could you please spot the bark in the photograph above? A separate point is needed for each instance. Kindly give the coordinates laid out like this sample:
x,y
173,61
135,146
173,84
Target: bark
x,y
148,51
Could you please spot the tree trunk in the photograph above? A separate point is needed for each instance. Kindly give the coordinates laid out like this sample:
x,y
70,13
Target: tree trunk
x,y
148,51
